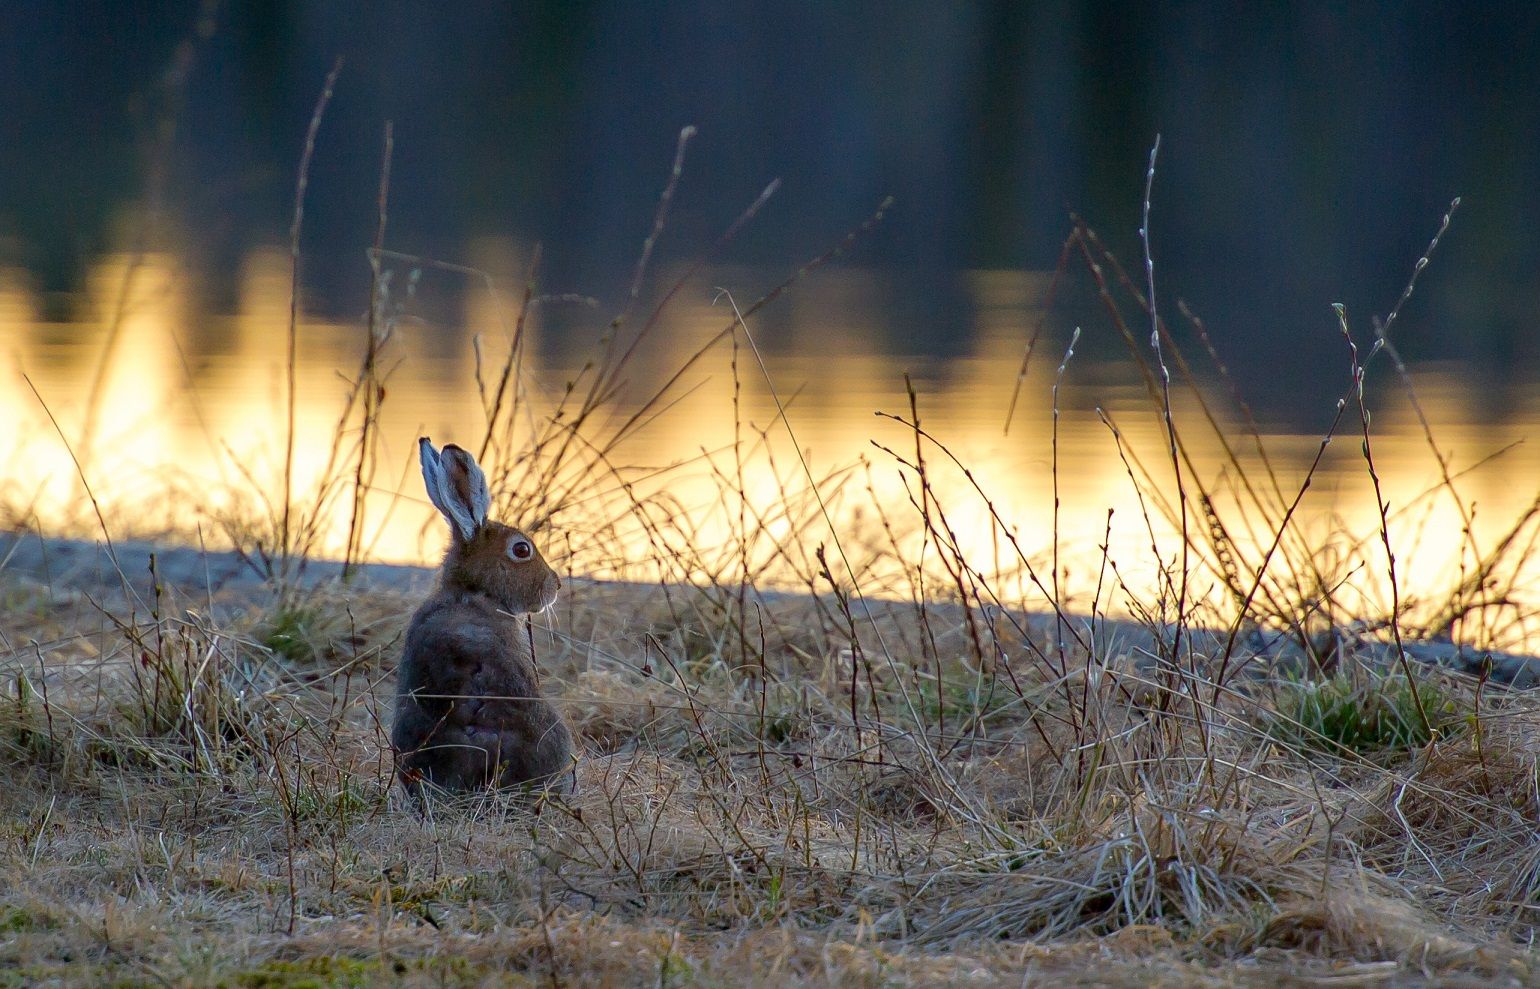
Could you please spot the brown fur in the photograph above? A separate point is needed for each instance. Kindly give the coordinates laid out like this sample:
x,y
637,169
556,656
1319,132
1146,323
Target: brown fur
x,y
469,713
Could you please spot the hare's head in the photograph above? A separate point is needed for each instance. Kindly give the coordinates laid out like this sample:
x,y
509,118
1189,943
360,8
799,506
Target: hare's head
x,y
484,556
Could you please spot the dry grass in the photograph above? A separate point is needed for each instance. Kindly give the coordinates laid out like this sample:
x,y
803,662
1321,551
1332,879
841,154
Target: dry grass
x,y
218,813
895,776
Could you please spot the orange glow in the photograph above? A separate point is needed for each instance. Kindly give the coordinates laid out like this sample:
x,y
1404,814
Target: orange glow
x,y
181,421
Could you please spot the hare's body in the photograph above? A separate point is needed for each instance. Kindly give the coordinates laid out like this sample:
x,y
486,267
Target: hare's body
x,y
469,713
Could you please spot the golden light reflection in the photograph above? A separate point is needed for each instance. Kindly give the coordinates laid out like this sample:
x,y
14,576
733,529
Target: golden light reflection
x,y
189,420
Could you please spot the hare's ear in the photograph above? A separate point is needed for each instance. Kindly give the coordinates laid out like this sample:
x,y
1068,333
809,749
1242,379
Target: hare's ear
x,y
456,486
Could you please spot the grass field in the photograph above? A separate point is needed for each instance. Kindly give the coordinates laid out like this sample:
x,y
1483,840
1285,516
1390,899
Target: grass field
x,y
871,770
189,804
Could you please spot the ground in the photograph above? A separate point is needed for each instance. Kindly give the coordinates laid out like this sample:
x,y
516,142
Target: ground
x,y
774,790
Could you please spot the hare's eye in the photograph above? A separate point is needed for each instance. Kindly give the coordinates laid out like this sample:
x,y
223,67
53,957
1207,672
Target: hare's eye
x,y
521,549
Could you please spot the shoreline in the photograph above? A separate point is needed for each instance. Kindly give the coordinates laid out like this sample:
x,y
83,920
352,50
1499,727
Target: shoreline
x,y
225,579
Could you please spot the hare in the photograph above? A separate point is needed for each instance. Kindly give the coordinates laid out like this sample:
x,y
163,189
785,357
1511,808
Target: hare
x,y
469,713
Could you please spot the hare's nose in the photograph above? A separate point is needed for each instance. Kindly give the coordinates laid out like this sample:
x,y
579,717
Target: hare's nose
x,y
558,583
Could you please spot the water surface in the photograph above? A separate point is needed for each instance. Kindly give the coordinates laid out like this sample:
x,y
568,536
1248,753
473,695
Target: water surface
x,y
190,419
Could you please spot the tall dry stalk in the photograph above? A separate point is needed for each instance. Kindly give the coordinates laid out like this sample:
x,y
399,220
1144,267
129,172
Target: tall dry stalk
x,y
301,184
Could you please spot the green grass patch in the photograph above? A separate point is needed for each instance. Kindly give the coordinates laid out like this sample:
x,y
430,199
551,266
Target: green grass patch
x,y
1364,713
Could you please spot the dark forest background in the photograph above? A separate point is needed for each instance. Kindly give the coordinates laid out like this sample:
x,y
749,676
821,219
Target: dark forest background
x,y
1308,150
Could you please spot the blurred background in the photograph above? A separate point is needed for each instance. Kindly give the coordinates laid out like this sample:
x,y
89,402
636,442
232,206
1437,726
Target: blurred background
x,y
148,155
1308,149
